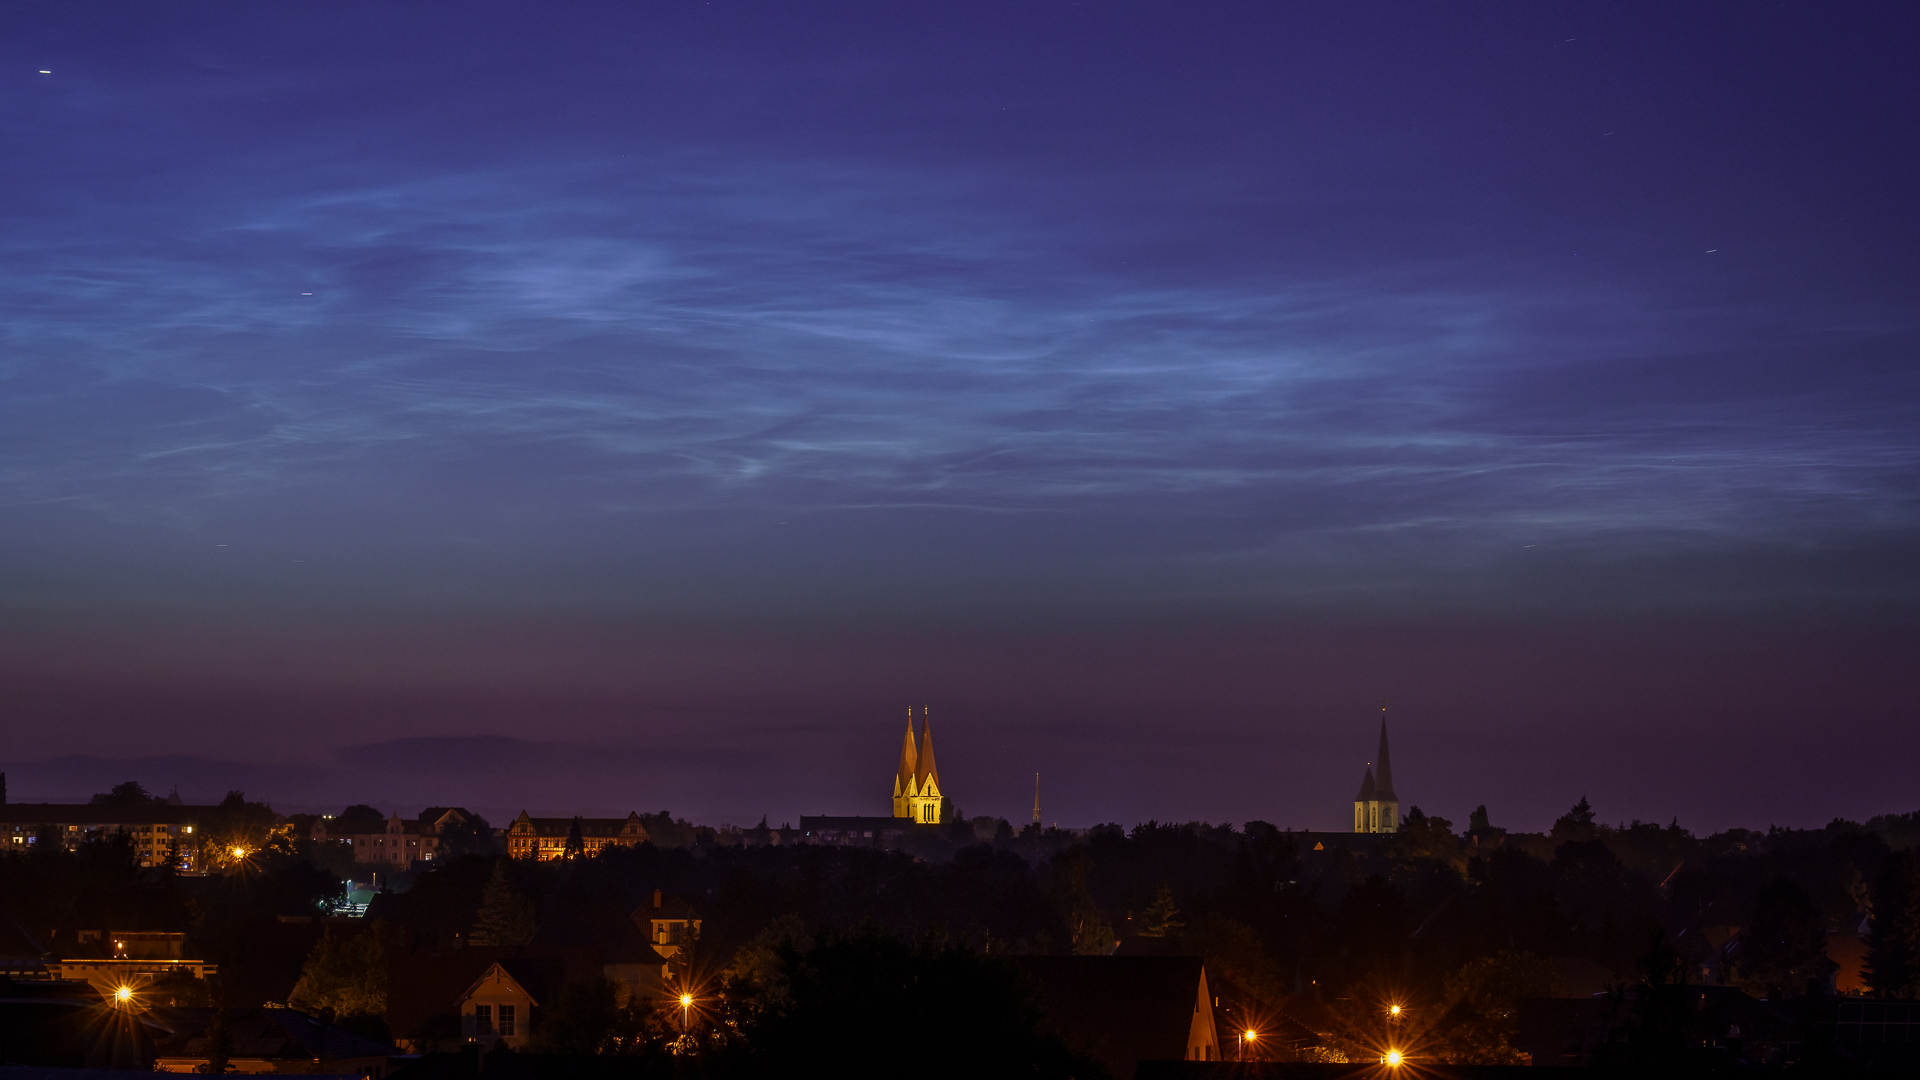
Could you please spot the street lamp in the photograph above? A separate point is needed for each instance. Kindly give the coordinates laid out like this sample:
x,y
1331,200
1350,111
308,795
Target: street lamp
x,y
1393,1057
686,1002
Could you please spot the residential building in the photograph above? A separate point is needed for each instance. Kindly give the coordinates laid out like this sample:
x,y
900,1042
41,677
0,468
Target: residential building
x,y
114,938
108,975
154,830
436,997
853,830
498,1006
397,843
669,922
546,838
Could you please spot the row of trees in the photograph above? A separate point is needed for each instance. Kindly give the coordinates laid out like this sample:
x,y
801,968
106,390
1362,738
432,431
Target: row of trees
x,y
1465,924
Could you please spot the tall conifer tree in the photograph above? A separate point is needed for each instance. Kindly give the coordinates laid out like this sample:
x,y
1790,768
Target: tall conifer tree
x,y
505,917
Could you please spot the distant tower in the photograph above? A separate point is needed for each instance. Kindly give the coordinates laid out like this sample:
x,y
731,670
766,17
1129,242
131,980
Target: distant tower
x,y
1036,800
916,783
1377,809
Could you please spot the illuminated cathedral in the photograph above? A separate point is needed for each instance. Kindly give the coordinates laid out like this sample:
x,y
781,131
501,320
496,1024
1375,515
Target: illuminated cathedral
x,y
916,784
1377,809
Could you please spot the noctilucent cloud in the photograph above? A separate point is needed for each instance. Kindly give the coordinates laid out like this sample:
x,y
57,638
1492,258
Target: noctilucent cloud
x,y
643,405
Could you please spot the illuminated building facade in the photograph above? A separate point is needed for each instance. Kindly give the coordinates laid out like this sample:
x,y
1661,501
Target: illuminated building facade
x,y
546,838
152,831
916,782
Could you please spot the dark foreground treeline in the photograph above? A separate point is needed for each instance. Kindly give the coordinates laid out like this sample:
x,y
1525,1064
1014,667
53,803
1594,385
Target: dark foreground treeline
x,y
1458,928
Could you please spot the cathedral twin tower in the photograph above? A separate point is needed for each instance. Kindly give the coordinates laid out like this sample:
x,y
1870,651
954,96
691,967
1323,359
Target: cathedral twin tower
x,y
916,784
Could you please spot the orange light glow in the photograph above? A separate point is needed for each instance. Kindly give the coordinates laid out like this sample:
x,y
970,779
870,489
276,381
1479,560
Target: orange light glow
x,y
686,1000
1393,1010
1252,1035
237,852
123,994
1393,1059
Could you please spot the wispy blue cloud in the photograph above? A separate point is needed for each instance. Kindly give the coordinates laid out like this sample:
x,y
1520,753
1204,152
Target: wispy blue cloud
x,y
740,331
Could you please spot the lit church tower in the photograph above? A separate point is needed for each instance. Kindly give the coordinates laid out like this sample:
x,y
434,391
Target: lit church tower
x,y
916,783
926,800
1377,809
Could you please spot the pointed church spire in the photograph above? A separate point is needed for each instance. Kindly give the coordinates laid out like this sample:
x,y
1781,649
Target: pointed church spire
x,y
1036,798
1383,785
1366,787
925,768
908,759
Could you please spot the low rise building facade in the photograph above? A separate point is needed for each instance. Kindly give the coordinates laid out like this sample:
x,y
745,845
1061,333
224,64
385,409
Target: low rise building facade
x,y
852,830
397,844
156,832
545,838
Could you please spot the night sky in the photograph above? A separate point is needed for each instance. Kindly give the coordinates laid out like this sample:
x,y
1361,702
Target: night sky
x,y
611,406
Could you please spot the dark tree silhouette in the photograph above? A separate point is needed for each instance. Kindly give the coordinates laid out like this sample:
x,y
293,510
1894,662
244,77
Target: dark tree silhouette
x,y
470,837
1893,940
219,1045
1784,944
949,1011
505,916
1163,915
360,818
1576,825
1651,1015
576,844
130,794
